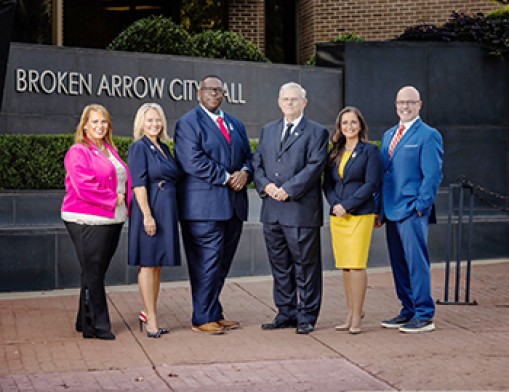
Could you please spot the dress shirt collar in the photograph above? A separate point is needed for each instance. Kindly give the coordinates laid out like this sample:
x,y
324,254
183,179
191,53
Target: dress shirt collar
x,y
294,122
408,124
213,116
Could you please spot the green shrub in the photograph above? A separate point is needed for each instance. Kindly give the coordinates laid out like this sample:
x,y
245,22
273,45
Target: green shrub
x,y
349,37
37,161
501,13
226,45
154,34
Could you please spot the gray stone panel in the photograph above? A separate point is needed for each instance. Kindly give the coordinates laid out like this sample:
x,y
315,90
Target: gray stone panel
x,y
117,271
325,98
470,92
27,261
480,153
59,113
41,208
68,266
375,71
6,210
261,264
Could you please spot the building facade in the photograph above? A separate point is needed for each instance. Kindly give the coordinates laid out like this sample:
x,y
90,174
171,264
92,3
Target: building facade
x,y
285,30
373,20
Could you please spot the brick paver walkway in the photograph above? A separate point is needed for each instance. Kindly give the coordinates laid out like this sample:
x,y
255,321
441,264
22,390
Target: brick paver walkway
x,y
40,351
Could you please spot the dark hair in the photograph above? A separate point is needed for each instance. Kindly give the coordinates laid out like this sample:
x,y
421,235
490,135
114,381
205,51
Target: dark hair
x,y
337,138
210,77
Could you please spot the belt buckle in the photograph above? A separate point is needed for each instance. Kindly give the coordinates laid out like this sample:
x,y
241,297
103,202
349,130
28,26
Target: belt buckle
x,y
161,184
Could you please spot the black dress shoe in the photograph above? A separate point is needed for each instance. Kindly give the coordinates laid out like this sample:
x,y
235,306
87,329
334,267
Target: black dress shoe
x,y
278,324
103,335
304,329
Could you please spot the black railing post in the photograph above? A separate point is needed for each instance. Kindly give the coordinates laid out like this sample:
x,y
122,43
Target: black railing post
x,y
455,243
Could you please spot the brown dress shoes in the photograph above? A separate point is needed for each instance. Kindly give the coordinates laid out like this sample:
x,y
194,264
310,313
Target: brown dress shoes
x,y
228,324
212,328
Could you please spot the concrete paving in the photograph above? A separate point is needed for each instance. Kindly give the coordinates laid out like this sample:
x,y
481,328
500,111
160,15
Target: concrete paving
x,y
469,350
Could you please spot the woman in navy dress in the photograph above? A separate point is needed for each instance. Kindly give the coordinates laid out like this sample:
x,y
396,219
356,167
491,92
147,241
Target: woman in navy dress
x,y
153,230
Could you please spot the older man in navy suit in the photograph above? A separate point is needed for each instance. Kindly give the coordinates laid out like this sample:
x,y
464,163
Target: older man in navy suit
x,y
214,152
288,162
412,153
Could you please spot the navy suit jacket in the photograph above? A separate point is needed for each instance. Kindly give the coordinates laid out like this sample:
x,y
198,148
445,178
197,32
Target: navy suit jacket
x,y
413,174
296,167
358,190
205,157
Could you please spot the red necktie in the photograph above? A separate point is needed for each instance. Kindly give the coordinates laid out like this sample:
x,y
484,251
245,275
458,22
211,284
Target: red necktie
x,y
223,129
396,139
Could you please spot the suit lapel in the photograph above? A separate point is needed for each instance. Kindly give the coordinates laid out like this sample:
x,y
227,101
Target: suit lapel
x,y
296,134
356,151
408,134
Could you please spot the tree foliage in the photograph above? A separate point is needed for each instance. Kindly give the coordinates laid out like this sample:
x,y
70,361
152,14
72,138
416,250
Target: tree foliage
x,y
154,34
226,45
491,32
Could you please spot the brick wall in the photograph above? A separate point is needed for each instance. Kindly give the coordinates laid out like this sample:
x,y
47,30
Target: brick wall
x,y
306,29
377,20
374,20
247,18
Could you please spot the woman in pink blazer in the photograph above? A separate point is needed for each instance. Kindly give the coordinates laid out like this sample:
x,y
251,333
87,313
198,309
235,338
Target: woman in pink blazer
x,y
95,207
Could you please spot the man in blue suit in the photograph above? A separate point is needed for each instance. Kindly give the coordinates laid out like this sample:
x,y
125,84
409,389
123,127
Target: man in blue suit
x,y
213,151
288,162
412,153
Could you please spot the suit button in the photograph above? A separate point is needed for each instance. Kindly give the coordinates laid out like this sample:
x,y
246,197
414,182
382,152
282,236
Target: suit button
x,y
279,160
277,174
110,178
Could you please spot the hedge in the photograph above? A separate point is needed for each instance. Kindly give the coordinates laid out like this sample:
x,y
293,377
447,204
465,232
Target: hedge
x,y
32,162
37,161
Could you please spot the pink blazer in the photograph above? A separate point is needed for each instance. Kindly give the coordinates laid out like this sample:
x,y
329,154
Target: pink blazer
x,y
91,181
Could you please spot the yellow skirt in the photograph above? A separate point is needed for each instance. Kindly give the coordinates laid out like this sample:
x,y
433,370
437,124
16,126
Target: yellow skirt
x,y
351,238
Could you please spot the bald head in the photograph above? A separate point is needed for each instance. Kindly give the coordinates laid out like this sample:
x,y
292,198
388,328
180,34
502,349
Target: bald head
x,y
409,91
408,104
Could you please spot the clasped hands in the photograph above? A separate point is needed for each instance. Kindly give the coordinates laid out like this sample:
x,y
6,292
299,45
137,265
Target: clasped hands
x,y
339,210
238,180
277,193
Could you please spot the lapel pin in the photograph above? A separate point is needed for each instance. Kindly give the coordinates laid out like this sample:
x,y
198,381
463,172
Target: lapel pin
x,y
354,154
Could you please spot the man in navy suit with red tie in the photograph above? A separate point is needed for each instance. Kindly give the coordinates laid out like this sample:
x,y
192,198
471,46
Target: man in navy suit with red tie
x,y
213,151
288,163
412,153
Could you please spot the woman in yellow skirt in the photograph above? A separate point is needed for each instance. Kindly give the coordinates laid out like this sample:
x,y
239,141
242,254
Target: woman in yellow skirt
x,y
351,184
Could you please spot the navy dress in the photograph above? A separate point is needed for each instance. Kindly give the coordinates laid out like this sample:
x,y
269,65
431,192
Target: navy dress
x,y
151,169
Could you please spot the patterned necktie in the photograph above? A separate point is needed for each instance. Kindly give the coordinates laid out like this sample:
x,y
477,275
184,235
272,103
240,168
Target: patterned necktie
x,y
223,129
396,139
286,134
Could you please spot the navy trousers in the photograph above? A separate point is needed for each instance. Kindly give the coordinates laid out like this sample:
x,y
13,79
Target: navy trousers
x,y
408,251
295,259
210,247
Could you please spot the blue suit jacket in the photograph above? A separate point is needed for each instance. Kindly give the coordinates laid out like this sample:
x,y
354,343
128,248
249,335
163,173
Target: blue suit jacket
x,y
296,167
413,174
358,190
205,157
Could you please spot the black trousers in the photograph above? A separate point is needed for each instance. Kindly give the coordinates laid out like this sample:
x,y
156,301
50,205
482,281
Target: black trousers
x,y
95,247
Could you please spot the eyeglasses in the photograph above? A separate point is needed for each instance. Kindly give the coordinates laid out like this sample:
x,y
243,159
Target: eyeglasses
x,y
217,90
409,103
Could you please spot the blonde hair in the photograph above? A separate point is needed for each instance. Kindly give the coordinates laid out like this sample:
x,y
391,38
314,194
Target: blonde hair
x,y
139,121
81,136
